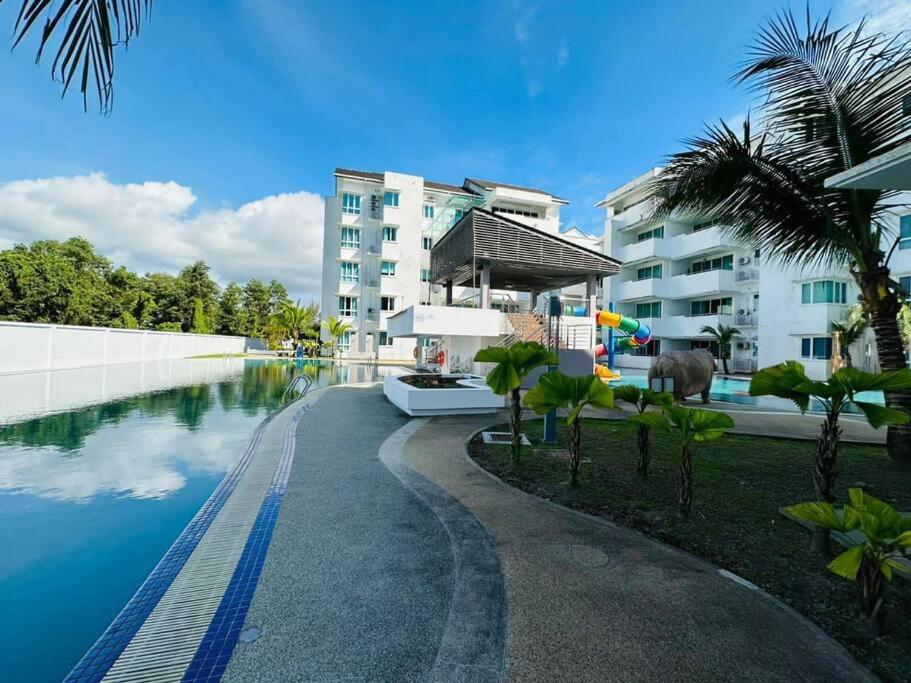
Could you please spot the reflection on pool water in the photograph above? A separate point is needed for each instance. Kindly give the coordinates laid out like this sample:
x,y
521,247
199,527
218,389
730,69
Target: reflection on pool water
x,y
737,391
93,493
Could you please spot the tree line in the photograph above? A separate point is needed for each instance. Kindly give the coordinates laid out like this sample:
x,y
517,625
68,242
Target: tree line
x,y
69,283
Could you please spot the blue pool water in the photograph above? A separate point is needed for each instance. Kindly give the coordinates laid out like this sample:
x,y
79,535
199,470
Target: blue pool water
x,y
92,493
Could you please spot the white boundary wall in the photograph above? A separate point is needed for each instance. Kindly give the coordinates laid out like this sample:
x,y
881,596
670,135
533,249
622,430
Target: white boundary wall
x,y
29,347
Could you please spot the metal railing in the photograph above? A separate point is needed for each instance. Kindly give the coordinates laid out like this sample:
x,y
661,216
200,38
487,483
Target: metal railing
x,y
292,385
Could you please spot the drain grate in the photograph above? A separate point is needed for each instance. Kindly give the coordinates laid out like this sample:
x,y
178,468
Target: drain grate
x,y
502,438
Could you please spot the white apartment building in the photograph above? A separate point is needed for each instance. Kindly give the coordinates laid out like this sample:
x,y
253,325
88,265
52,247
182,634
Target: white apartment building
x,y
379,229
680,274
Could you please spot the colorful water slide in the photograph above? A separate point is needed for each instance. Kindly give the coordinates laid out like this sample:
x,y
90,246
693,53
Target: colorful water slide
x,y
638,334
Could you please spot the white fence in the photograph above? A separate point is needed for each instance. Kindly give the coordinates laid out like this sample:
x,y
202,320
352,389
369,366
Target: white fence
x,y
27,347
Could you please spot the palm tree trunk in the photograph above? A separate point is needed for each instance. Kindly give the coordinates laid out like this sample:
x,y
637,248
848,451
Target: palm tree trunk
x,y
872,586
824,477
891,354
515,424
642,450
685,482
724,364
575,443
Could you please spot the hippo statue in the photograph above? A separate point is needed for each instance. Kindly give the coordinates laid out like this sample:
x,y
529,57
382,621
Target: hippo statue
x,y
692,372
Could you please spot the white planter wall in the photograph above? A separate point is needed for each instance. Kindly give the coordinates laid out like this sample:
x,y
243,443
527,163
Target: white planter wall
x,y
27,347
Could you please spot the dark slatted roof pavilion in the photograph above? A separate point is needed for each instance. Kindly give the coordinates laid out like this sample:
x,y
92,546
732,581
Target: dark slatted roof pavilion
x,y
520,257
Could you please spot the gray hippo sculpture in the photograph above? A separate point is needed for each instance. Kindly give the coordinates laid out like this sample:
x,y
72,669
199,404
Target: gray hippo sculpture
x,y
692,372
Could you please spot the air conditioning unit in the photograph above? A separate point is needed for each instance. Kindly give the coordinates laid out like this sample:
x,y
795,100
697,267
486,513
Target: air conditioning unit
x,y
741,312
744,260
743,345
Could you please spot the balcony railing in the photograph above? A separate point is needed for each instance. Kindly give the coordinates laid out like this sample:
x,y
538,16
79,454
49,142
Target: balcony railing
x,y
748,320
747,275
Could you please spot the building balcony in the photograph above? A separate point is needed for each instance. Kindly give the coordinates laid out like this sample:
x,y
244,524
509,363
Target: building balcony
x,y
633,290
439,321
816,319
688,326
635,216
701,284
695,243
746,275
746,320
647,249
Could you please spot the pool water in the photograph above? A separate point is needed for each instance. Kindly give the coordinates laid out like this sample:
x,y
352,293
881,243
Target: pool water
x,y
92,494
737,391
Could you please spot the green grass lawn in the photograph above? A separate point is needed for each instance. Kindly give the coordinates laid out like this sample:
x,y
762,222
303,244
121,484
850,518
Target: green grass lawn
x,y
741,482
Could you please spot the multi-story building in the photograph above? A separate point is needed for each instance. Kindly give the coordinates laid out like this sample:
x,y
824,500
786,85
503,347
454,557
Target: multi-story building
x,y
379,229
681,274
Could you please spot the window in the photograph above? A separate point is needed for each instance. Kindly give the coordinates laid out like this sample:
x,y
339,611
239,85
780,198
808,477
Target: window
x,y
426,243
655,234
516,212
349,272
649,272
390,234
816,348
347,306
651,309
904,232
426,342
653,348
387,303
428,210
717,263
824,292
705,226
351,238
344,344
391,198
457,215
385,339
351,203
755,303
905,283
425,275
710,346
387,268
711,306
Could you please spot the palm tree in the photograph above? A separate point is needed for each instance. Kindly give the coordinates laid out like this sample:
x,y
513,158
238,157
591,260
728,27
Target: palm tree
x,y
293,319
513,365
558,391
848,333
695,425
789,380
724,334
642,399
336,329
90,30
831,99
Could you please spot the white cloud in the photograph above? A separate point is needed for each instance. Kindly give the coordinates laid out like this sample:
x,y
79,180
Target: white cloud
x,y
150,227
883,16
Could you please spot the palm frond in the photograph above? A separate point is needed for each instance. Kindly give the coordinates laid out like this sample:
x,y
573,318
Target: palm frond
x,y
89,32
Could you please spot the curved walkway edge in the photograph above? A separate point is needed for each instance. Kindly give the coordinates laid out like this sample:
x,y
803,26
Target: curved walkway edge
x,y
474,638
591,601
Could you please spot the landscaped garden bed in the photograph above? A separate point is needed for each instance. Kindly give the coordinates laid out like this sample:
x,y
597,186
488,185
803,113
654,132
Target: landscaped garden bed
x,y
741,483
433,381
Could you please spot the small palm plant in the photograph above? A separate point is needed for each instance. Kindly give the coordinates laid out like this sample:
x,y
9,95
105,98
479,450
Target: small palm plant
x,y
292,319
884,546
789,380
695,425
642,399
513,365
724,335
846,334
336,329
558,391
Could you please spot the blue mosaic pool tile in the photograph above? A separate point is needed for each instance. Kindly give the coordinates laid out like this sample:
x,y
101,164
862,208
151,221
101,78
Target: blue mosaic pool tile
x,y
214,652
101,657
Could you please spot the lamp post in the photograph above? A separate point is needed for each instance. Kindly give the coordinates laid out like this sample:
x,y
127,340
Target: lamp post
x,y
554,310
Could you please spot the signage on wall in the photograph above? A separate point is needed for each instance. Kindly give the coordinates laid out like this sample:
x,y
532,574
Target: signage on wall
x,y
376,207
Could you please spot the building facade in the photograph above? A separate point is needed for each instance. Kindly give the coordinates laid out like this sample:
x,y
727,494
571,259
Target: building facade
x,y
379,230
682,274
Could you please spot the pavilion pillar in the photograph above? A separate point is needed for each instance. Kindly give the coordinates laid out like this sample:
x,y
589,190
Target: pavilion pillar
x,y
533,298
449,292
591,293
485,285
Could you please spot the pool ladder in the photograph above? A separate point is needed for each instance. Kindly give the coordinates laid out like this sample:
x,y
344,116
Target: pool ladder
x,y
294,383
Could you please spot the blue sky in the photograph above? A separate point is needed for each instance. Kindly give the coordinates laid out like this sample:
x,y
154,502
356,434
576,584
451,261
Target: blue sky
x,y
239,100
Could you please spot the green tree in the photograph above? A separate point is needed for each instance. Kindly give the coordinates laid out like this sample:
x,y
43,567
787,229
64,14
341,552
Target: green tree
x,y
336,329
556,391
789,381
724,335
513,365
642,399
169,297
232,318
292,319
694,425
832,99
196,284
200,322
883,546
257,307
278,296
847,334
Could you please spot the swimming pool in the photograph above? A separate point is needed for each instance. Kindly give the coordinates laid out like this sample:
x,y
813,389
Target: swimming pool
x,y
98,476
737,391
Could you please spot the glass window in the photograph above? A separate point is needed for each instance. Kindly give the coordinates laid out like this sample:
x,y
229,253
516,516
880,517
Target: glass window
x,y
390,234
349,272
351,203
711,306
391,198
704,226
425,275
904,231
816,348
387,268
347,306
656,233
824,292
651,309
344,343
351,238
428,210
457,215
426,243
805,296
649,272
653,348
387,303
385,339
905,283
